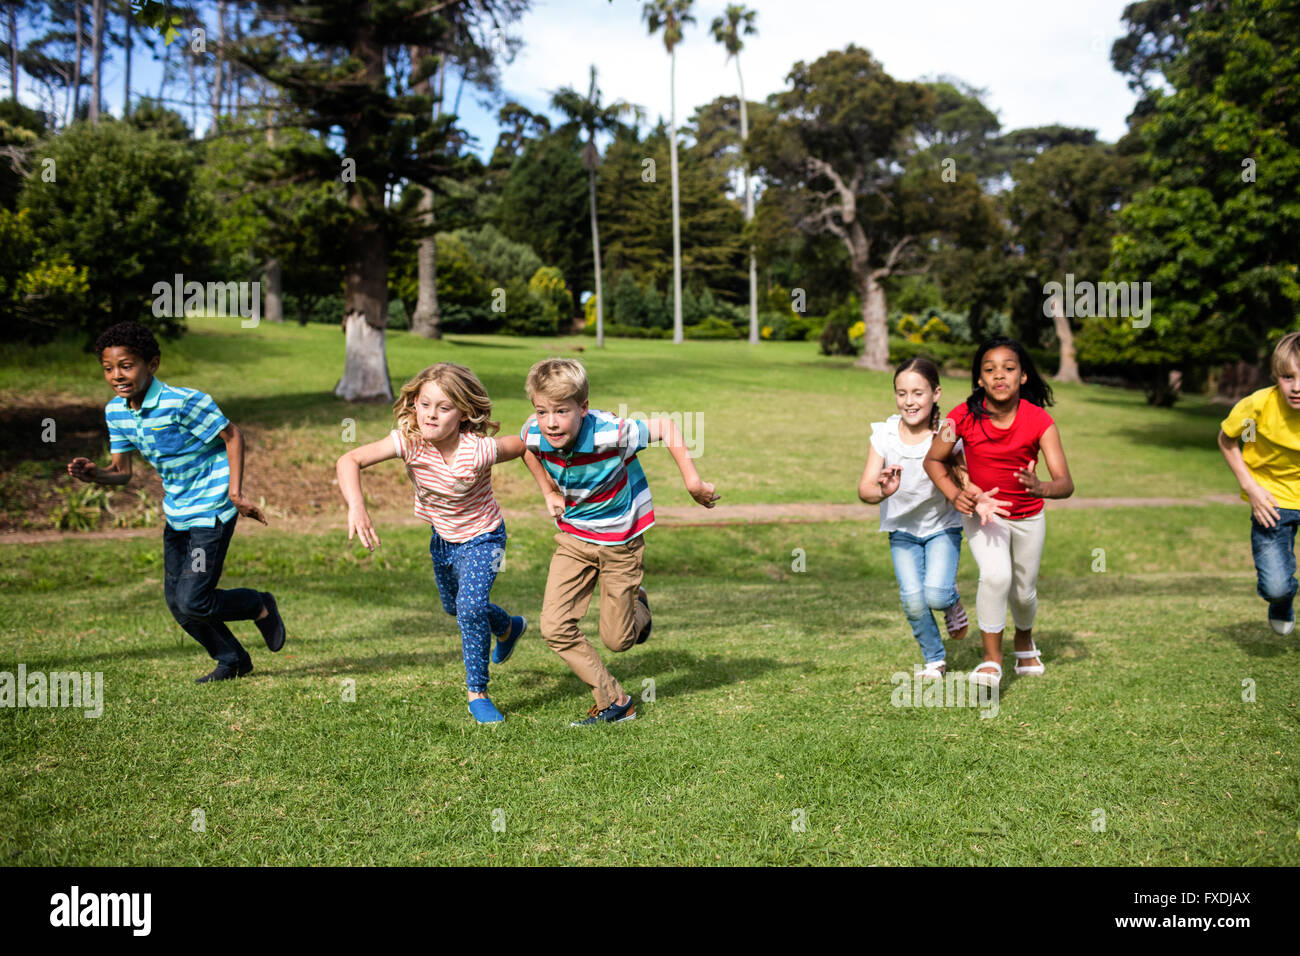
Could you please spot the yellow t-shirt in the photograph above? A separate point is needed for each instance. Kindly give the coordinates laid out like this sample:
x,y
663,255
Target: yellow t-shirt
x,y
1273,457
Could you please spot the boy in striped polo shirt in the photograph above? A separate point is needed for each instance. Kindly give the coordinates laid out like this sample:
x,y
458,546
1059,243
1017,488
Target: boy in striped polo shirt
x,y
584,460
199,455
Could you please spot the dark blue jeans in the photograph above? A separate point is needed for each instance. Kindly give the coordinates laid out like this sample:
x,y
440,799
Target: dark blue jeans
x,y
1274,551
192,561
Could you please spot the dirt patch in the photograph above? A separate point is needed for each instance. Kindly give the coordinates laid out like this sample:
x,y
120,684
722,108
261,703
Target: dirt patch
x,y
286,471
680,516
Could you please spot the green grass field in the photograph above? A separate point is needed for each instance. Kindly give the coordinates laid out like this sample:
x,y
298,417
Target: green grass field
x,y
1168,712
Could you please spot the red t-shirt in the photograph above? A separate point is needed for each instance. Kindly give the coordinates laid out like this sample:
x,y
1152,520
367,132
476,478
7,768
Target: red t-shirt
x,y
994,455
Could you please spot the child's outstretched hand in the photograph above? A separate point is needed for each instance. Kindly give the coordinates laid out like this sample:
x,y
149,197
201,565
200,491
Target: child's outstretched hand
x,y
1262,505
1033,486
555,504
986,506
247,508
82,469
359,524
702,492
890,478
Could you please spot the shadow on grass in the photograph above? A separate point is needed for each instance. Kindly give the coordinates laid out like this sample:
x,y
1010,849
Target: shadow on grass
x,y
375,664
1257,639
687,673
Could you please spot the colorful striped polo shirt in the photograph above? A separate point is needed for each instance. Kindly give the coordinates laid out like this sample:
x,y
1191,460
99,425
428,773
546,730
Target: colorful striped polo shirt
x,y
606,496
177,431
455,497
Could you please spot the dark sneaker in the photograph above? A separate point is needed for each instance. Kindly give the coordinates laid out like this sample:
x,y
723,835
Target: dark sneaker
x,y
645,631
612,714
271,626
1283,625
225,672
506,645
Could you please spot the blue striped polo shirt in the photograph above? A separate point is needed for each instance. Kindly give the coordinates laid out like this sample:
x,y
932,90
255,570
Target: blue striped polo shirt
x,y
606,497
176,430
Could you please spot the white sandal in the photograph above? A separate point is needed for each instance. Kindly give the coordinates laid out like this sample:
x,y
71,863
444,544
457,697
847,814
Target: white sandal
x,y
933,670
985,678
1029,669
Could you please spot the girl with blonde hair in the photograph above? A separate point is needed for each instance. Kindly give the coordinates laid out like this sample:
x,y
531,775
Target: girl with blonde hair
x,y
443,435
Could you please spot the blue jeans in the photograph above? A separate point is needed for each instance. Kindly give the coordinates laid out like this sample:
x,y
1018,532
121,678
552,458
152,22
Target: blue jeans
x,y
1274,552
465,572
926,569
192,561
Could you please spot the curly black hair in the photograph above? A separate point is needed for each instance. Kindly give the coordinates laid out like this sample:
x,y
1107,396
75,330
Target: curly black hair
x,y
133,337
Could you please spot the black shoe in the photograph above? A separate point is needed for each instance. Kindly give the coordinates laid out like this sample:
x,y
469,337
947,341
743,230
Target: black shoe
x,y
645,631
225,672
271,626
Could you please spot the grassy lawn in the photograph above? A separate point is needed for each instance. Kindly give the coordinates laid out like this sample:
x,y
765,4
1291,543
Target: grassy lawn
x,y
773,700
773,695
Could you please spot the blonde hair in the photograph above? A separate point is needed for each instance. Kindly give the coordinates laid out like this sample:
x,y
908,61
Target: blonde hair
x,y
558,379
461,386
1286,355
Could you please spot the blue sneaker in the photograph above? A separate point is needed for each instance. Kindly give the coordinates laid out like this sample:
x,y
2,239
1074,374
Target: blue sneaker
x,y
485,712
1283,623
612,714
506,645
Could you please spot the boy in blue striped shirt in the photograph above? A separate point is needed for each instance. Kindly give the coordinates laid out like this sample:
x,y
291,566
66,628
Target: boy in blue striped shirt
x,y
199,454
585,463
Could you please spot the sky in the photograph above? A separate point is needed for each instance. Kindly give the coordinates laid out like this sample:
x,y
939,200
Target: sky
x,y
1040,61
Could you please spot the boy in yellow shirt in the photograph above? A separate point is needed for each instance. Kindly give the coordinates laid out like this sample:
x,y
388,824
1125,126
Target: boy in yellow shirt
x,y
1267,466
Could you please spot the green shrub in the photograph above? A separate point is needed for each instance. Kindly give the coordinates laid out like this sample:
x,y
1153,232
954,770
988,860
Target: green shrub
x,y
947,355
122,204
525,313
711,328
548,288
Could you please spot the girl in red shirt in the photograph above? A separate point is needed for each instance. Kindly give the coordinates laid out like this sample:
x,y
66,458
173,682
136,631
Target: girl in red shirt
x,y
1003,426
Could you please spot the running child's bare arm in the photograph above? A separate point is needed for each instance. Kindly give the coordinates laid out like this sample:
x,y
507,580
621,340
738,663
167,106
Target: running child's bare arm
x,y
117,473
663,429
878,482
234,440
348,469
1262,504
550,491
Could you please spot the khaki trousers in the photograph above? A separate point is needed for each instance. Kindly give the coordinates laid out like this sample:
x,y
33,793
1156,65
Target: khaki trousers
x,y
575,568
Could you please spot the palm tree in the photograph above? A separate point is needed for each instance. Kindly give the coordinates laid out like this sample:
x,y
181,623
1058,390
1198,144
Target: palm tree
x,y
586,113
728,30
670,16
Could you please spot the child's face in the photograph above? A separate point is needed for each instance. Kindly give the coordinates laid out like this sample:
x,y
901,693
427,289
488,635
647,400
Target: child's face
x,y
1001,375
1288,383
560,421
127,374
437,417
915,397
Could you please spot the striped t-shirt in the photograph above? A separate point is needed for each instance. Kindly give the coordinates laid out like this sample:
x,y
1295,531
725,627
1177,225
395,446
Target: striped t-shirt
x,y
177,431
606,496
456,497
